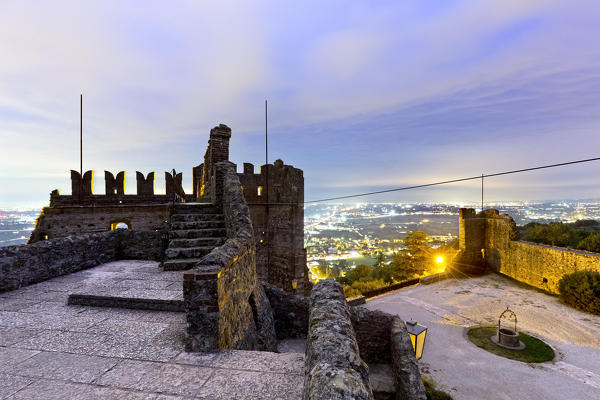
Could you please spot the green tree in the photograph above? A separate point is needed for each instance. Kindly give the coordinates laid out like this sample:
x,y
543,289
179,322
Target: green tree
x,y
590,243
359,272
401,269
418,252
383,270
324,270
554,233
343,265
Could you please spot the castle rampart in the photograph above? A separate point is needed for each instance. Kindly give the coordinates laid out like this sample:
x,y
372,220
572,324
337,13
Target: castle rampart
x,y
488,241
274,196
225,304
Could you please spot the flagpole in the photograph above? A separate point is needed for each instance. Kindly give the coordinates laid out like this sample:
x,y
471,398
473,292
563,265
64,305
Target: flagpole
x,y
81,135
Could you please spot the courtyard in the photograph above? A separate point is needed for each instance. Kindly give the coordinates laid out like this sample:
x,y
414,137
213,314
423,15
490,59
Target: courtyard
x,y
450,307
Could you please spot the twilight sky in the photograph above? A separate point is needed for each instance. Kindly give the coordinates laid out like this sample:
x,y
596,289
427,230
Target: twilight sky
x,y
363,95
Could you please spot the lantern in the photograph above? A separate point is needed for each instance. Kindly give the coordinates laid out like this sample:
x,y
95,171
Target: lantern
x,y
417,335
294,284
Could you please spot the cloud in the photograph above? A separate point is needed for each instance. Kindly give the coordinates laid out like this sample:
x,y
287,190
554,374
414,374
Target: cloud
x,y
359,92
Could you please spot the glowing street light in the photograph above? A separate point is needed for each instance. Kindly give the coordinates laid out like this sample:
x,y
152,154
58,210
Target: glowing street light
x,y
417,335
439,260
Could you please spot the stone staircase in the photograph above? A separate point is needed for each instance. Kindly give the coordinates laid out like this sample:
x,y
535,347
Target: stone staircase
x,y
196,229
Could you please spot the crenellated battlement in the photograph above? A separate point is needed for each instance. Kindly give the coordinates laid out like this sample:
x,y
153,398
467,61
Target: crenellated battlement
x,y
274,195
276,183
114,194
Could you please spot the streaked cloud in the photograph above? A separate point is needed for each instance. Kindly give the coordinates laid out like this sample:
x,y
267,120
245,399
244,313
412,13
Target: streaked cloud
x,y
361,93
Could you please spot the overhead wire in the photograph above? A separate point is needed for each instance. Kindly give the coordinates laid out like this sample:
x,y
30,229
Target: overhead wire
x,y
455,180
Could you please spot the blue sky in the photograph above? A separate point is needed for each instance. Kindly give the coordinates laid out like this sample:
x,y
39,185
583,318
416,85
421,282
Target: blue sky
x,y
362,95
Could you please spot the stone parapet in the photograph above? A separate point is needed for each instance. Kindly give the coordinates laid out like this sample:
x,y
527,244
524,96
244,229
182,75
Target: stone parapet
x,y
334,369
488,239
27,264
290,312
226,308
404,364
57,222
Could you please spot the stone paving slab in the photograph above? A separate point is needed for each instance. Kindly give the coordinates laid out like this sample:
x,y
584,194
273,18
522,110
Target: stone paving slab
x,y
50,350
129,285
10,384
68,342
64,366
54,308
288,363
138,329
9,357
9,336
16,304
48,321
57,390
250,385
157,377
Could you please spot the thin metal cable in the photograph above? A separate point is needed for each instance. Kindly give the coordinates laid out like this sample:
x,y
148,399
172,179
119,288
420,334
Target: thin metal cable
x,y
455,180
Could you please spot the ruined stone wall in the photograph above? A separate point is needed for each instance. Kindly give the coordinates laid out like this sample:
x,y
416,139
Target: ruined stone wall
x,y
334,369
204,179
290,312
225,306
27,264
85,212
275,197
56,222
139,244
537,265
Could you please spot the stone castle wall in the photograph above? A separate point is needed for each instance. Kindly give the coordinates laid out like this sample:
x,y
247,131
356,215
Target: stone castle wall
x,y
276,197
57,222
543,266
27,264
86,212
341,339
537,265
226,307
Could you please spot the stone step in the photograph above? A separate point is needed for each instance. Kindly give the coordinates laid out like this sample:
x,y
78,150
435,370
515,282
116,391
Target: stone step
x,y
126,302
180,264
196,208
196,217
199,242
198,233
188,252
177,226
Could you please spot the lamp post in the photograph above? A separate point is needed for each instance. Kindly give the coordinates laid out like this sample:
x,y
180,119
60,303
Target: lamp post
x,y
417,335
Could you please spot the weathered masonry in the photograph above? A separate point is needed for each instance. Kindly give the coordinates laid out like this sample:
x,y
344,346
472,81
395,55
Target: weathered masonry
x,y
487,240
274,196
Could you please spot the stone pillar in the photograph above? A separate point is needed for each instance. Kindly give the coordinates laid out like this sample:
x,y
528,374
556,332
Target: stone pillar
x,y
219,143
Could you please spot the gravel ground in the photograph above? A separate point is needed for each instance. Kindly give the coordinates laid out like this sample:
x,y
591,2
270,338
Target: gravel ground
x,y
448,308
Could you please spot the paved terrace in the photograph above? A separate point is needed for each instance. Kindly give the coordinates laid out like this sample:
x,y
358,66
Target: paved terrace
x,y
50,350
448,308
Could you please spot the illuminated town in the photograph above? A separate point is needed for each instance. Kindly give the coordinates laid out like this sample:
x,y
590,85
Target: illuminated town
x,y
357,233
